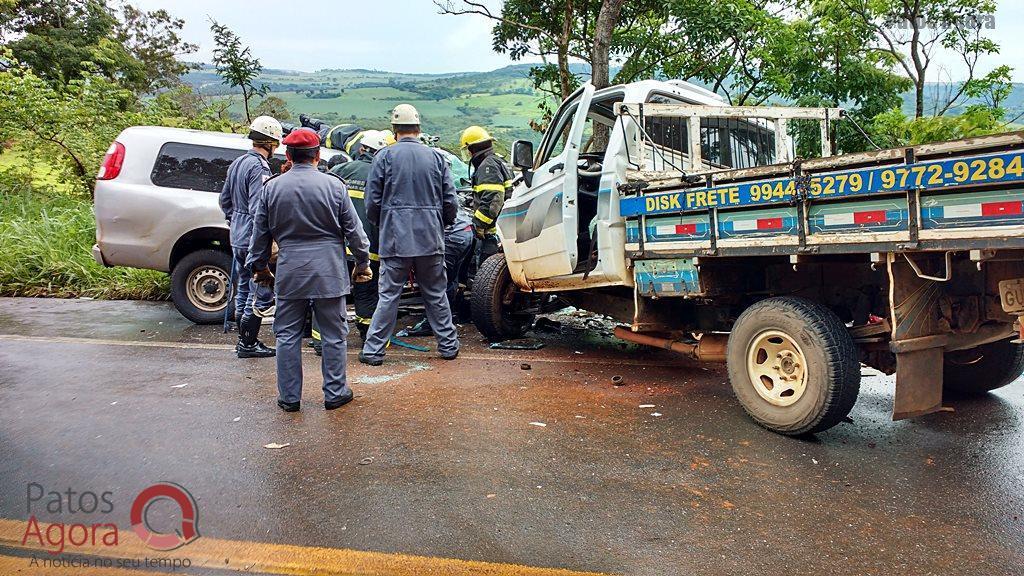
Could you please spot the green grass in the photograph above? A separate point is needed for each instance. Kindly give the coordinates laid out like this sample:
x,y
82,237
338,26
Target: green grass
x,y
46,238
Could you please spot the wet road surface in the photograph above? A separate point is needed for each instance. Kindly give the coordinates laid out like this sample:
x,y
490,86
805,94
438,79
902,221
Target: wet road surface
x,y
479,460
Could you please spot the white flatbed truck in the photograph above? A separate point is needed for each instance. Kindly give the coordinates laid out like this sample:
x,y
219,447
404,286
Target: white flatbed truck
x,y
696,226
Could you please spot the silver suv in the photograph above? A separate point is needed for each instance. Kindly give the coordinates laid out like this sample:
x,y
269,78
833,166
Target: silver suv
x,y
157,207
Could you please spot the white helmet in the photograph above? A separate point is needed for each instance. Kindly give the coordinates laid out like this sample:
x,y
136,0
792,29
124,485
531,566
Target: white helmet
x,y
265,128
405,114
374,139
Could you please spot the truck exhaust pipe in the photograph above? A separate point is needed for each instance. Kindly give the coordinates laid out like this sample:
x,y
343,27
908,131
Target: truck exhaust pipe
x,y
709,348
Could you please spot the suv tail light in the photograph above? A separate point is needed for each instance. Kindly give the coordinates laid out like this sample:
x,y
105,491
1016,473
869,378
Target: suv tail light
x,y
112,162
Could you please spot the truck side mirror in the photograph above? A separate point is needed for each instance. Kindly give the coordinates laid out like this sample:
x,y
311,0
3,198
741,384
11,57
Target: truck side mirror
x,y
522,154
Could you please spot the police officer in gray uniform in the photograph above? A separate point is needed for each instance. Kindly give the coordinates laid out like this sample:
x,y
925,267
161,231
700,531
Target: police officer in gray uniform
x,y
310,215
411,198
242,189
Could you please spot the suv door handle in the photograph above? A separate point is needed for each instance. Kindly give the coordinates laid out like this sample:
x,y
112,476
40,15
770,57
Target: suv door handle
x,y
556,168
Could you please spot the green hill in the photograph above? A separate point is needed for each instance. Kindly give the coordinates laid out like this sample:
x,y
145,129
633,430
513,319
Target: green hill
x,y
502,100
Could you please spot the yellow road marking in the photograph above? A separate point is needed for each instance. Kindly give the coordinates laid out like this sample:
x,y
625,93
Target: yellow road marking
x,y
210,553
574,359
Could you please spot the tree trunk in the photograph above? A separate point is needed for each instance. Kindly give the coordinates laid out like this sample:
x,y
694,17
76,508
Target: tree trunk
x,y
245,101
604,27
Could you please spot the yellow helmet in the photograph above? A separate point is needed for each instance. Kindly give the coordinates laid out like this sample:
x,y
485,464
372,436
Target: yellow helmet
x,y
389,137
474,135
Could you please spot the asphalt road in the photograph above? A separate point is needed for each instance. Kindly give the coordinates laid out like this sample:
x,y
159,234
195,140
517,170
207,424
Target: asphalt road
x,y
479,460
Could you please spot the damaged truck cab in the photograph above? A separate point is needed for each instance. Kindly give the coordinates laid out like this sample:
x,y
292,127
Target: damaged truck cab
x,y
734,234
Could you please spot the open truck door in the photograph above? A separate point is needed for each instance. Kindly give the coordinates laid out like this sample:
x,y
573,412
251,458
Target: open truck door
x,y
538,225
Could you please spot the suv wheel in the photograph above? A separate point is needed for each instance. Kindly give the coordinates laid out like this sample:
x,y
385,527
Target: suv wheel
x,y
201,286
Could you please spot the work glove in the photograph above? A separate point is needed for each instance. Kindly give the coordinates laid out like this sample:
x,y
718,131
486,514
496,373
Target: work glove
x,y
362,274
263,277
274,251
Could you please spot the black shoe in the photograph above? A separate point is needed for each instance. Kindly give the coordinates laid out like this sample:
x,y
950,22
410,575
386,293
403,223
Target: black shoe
x,y
335,404
288,406
255,350
449,357
371,361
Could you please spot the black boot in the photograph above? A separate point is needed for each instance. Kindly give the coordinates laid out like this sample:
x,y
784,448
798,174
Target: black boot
x,y
249,345
340,401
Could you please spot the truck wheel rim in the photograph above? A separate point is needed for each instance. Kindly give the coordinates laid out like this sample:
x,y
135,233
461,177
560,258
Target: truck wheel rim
x,y
207,288
777,368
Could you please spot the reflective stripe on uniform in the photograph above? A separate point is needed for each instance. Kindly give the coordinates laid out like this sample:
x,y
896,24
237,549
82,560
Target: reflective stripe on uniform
x,y
352,192
492,187
508,183
373,256
351,141
361,320
483,217
315,334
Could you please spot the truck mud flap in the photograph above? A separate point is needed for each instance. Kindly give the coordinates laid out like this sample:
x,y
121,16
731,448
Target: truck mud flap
x,y
918,383
913,301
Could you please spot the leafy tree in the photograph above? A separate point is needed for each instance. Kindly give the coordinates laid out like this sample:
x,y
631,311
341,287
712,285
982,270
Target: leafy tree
x,y
911,31
274,107
236,65
61,40
58,39
153,41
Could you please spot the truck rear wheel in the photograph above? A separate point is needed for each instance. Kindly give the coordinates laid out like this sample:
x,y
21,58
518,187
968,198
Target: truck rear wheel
x,y
982,369
201,286
793,365
493,302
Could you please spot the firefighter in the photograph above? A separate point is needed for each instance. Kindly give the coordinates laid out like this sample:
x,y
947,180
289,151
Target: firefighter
x,y
238,199
410,196
492,183
311,217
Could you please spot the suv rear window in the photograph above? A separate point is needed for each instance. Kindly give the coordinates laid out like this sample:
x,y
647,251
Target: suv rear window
x,y
193,167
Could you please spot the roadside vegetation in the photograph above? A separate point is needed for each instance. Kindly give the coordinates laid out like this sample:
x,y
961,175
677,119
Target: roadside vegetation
x,y
46,240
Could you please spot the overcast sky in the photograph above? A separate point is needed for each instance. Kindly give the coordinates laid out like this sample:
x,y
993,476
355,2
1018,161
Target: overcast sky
x,y
410,35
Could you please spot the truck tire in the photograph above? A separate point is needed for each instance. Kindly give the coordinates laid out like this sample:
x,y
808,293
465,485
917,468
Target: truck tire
x,y
491,301
793,365
201,285
983,369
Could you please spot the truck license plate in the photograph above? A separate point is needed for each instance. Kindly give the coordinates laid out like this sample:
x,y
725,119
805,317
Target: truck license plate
x,y
1011,295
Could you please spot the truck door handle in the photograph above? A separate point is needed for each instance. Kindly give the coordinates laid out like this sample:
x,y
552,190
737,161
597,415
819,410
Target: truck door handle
x,y
556,168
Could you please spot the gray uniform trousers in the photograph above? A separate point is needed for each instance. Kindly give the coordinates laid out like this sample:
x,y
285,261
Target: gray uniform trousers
x,y
430,276
288,324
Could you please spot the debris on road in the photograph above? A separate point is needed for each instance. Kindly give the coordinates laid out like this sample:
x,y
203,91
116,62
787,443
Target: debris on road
x,y
646,406
547,325
617,380
236,418
365,461
180,385
518,344
524,366
398,342
655,414
541,424
276,446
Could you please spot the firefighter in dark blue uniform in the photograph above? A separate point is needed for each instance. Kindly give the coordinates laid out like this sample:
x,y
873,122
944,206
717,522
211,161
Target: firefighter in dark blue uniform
x,y
242,189
311,217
